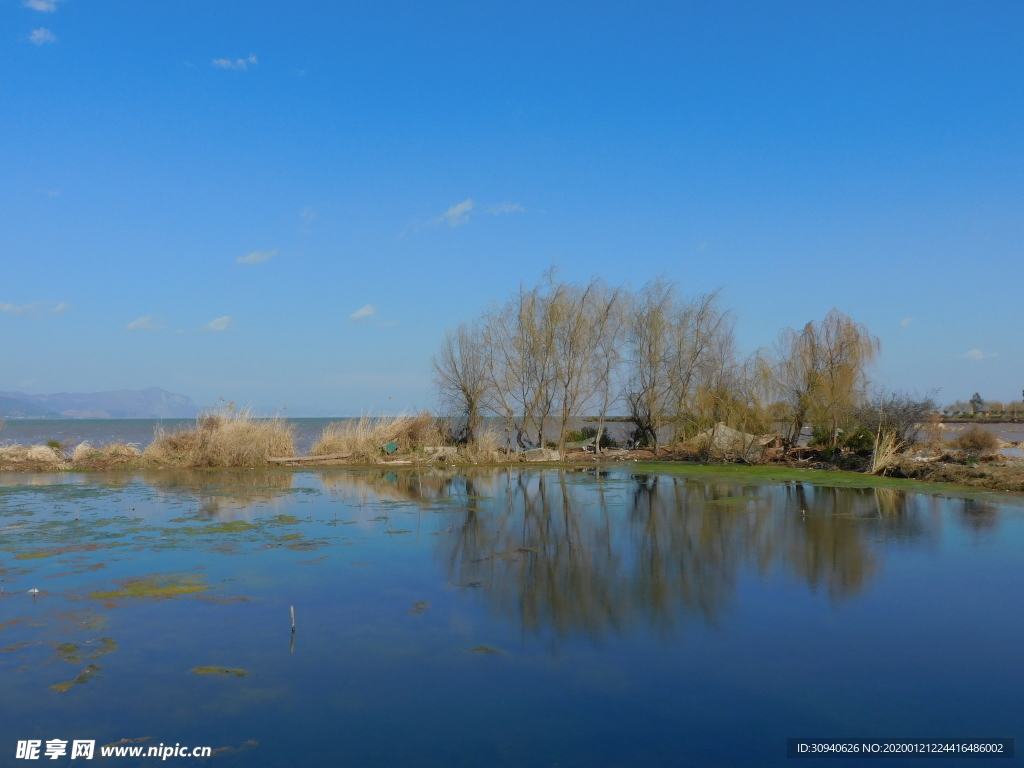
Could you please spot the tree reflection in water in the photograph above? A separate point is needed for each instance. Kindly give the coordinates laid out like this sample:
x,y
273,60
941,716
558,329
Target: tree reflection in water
x,y
600,551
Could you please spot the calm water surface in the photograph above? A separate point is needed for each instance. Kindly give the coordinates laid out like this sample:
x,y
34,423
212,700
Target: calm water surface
x,y
506,618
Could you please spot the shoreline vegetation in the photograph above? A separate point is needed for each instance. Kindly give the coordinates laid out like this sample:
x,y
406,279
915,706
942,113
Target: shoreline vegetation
x,y
559,355
235,439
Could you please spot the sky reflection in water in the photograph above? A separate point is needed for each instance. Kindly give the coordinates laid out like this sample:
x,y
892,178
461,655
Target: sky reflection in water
x,y
502,617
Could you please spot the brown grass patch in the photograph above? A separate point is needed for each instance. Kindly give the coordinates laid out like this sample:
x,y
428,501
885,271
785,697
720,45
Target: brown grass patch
x,y
36,454
224,437
364,438
977,439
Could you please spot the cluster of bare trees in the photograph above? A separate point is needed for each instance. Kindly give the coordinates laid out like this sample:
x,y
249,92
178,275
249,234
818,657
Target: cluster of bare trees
x,y
558,351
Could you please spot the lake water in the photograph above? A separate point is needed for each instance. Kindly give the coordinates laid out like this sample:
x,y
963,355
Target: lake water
x,y
503,618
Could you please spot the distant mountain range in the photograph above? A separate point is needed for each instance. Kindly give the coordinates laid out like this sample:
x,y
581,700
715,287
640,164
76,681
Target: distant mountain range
x,y
152,403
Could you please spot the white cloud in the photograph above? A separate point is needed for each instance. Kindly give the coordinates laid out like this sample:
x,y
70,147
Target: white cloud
x,y
239,64
977,354
42,35
220,324
456,215
49,6
35,308
15,309
364,311
501,208
147,323
256,257
307,218
906,322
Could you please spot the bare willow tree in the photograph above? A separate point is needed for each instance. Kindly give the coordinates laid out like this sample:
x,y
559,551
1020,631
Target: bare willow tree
x,y
553,352
703,368
558,351
607,358
522,374
585,319
674,347
648,389
461,375
821,372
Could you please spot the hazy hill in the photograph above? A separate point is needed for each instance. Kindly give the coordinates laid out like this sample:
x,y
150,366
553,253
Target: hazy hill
x,y
152,403
19,408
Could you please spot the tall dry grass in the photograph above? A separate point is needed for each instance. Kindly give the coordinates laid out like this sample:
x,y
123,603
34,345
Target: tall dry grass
x,y
224,437
486,446
364,438
887,449
42,454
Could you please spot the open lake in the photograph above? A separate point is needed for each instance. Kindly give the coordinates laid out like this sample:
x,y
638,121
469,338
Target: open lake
x,y
503,617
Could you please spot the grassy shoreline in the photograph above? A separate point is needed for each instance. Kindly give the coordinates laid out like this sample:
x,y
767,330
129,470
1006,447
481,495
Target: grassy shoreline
x,y
232,439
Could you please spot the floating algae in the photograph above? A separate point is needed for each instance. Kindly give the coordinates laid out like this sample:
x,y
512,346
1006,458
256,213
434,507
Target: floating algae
x,y
485,649
222,671
107,645
235,526
68,652
82,677
154,587
33,555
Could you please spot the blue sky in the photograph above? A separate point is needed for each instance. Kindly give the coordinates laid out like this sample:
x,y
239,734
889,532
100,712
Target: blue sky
x,y
200,196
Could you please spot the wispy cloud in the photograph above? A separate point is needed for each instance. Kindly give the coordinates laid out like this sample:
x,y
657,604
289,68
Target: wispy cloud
x,y
147,323
977,354
36,308
457,215
364,311
48,6
42,35
256,257
501,208
219,324
15,309
906,322
239,64
307,216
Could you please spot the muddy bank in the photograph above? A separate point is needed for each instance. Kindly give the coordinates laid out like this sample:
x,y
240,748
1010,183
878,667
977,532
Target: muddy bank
x,y
993,477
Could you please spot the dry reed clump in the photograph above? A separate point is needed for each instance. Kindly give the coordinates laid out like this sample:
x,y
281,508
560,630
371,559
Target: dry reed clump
x,y
887,448
17,454
977,439
364,438
486,446
117,450
226,437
